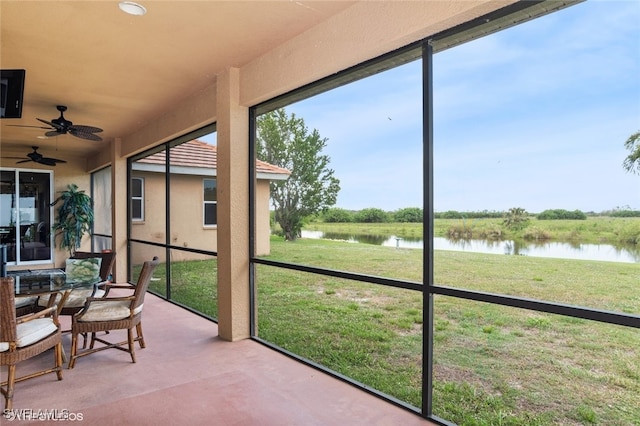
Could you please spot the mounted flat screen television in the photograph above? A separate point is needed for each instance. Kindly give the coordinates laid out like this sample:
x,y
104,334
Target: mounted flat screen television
x,y
12,82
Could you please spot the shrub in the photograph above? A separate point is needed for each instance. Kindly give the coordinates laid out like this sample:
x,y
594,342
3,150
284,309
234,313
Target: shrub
x,y
561,214
371,215
491,233
409,214
337,215
462,230
629,233
453,214
625,213
536,234
449,214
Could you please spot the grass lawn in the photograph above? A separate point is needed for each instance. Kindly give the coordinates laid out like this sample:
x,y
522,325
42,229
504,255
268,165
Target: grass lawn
x,y
492,365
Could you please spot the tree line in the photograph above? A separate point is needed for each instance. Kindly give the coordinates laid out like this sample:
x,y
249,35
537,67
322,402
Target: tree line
x,y
311,190
416,215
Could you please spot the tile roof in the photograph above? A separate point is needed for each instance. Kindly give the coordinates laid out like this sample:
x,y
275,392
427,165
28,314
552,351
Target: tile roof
x,y
196,153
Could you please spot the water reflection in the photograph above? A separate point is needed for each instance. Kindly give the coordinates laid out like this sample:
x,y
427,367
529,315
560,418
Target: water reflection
x,y
606,252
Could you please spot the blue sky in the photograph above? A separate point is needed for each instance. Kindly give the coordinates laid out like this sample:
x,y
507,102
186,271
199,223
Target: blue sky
x,y
534,116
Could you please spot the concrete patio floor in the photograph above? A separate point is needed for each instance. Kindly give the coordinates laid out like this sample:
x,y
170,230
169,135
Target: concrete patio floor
x,y
187,375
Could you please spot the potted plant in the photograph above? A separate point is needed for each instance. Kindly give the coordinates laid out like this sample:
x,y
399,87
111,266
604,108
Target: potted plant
x,y
74,217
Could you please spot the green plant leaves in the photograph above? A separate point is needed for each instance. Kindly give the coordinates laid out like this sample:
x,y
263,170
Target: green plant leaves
x,y
74,217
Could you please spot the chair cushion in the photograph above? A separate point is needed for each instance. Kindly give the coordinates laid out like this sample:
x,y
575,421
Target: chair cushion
x,y
77,297
83,269
25,301
44,300
108,311
31,332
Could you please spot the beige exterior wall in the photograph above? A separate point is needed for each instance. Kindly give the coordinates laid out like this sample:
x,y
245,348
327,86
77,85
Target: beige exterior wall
x,y
263,229
152,228
187,216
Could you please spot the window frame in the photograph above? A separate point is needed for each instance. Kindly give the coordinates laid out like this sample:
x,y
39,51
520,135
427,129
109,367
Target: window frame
x,y
206,202
139,198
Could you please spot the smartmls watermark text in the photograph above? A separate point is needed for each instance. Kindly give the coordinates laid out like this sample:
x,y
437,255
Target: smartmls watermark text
x,y
42,415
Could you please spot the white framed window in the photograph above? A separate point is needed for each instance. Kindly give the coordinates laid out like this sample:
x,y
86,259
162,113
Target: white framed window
x,y
137,199
210,207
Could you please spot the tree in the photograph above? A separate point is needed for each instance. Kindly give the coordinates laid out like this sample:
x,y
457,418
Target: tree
x,y
285,141
632,162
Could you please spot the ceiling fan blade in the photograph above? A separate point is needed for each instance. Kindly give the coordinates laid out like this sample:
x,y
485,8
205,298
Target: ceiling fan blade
x,y
52,160
24,161
87,129
22,125
85,135
54,125
47,161
52,134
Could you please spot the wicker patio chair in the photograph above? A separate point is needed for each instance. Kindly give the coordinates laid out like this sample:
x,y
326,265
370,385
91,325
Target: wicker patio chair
x,y
75,301
113,313
25,337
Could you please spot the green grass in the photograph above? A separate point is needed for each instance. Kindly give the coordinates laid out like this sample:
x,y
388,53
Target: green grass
x,y
193,284
500,365
492,365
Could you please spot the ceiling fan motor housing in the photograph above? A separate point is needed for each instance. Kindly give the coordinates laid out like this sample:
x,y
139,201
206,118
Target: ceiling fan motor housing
x,y
61,121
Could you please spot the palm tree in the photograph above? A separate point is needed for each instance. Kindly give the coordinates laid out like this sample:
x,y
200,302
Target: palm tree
x,y
516,219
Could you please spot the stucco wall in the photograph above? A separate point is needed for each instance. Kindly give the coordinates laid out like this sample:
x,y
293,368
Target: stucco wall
x,y
187,223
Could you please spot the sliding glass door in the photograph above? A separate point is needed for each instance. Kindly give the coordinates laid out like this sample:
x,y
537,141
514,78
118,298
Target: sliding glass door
x,y
25,215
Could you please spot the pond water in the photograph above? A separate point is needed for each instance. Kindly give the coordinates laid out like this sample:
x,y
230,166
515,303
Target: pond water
x,y
606,252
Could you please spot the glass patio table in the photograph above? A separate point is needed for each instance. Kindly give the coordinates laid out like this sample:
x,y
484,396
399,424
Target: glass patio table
x,y
48,282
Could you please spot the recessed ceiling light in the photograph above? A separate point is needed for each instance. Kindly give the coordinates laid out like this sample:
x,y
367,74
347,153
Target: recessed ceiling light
x,y
132,8
42,137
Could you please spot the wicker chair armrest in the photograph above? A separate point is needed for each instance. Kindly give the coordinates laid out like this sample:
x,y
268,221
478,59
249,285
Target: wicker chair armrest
x,y
108,299
52,312
108,286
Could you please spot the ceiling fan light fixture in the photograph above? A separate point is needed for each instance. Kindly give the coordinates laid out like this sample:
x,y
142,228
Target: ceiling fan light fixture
x,y
132,8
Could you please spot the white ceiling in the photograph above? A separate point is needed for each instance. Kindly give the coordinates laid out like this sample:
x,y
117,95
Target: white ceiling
x,y
119,72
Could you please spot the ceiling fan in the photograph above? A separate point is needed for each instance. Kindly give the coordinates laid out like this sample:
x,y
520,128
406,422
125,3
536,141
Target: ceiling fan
x,y
36,157
62,126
